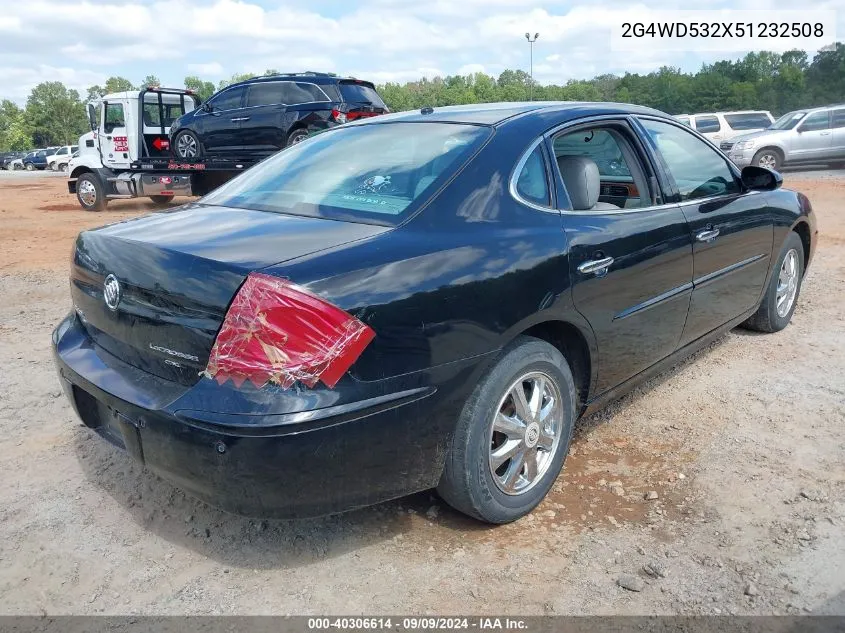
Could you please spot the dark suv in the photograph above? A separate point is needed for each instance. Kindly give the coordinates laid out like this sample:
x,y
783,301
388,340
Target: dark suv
x,y
259,116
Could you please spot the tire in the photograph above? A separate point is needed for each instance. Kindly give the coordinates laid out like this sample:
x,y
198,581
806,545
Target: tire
x,y
89,192
297,136
161,199
768,157
186,145
768,318
30,167
839,165
469,483
63,167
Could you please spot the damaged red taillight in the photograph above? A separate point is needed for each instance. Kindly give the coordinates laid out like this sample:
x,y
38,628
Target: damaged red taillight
x,y
278,332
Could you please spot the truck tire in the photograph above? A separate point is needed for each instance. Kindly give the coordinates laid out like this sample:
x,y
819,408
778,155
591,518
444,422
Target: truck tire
x,y
161,199
186,145
30,167
63,167
89,192
297,136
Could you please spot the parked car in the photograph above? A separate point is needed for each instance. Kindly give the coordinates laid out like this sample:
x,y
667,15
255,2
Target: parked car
x,y
15,164
425,299
721,126
36,160
6,159
59,159
813,135
257,117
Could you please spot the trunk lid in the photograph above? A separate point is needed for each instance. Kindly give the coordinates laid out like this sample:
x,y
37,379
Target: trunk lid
x,y
177,273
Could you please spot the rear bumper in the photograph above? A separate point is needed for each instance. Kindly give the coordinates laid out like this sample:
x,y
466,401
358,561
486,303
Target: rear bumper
x,y
324,462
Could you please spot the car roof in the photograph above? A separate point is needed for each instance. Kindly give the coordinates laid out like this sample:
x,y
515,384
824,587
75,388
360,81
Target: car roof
x,y
306,77
497,113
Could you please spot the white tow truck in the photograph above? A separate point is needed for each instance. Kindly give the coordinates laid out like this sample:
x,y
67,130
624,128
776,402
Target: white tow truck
x,y
127,152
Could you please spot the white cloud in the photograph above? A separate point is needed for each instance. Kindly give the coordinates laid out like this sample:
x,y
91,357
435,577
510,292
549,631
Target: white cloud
x,y
381,40
210,69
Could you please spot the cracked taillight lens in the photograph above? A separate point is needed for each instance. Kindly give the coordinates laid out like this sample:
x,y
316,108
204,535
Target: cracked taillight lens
x,y
278,332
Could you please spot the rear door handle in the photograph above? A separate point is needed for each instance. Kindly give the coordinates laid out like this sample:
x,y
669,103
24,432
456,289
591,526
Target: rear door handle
x,y
597,266
707,235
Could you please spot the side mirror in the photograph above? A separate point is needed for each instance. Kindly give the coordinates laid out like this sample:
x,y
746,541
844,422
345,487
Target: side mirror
x,y
92,117
760,179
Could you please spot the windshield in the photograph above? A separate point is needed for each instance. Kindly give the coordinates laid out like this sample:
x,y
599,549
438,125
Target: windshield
x,y
788,121
363,173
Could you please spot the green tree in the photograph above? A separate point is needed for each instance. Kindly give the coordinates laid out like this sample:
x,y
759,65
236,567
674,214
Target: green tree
x,y
234,79
15,134
151,80
94,93
55,114
118,84
204,89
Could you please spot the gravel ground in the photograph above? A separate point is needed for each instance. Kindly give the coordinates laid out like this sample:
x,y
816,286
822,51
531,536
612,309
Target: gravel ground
x,y
718,487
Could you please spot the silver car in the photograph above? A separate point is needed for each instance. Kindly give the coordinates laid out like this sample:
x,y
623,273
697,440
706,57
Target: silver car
x,y
814,135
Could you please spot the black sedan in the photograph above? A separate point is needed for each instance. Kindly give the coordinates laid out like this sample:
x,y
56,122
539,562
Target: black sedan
x,y
420,300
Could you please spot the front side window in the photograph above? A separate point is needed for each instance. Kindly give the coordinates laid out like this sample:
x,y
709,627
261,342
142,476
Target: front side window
x,y
707,124
61,151
699,171
532,185
228,100
114,117
684,120
364,173
815,121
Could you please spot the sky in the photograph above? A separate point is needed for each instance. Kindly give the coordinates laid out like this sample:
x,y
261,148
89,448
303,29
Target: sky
x,y
82,42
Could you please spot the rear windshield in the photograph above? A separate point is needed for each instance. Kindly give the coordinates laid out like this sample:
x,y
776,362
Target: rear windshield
x,y
748,121
361,93
360,173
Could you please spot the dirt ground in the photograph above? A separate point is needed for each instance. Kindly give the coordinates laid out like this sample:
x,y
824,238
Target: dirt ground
x,y
743,445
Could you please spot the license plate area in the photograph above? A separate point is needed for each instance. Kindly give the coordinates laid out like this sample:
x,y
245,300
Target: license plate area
x,y
108,423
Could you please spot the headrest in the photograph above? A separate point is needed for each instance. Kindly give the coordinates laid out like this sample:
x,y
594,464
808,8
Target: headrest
x,y
581,178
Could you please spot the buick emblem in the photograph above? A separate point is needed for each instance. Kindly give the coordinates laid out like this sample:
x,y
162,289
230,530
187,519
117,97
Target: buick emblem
x,y
111,292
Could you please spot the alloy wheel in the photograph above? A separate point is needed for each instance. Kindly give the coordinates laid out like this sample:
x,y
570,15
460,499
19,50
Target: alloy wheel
x,y
769,161
525,433
787,286
186,146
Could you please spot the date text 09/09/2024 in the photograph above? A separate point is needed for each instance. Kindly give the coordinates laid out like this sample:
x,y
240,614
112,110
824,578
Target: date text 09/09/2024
x,y
426,623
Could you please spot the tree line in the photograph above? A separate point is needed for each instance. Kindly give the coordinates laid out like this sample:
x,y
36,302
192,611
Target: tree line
x,y
55,114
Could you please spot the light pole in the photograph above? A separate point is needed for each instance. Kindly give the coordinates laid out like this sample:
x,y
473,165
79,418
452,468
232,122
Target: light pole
x,y
531,67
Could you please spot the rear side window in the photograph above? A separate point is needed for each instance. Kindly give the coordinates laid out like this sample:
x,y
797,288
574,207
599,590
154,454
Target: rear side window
x,y
315,92
707,124
363,173
360,93
267,93
838,118
532,184
748,121
171,111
